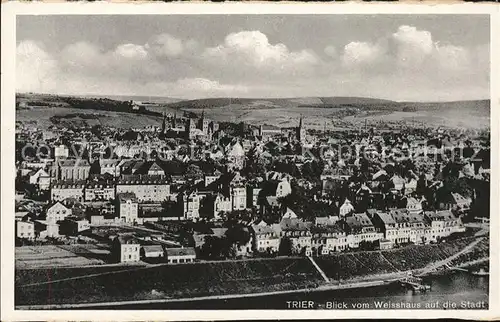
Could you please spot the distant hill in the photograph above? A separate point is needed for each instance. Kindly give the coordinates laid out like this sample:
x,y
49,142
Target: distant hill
x,y
318,112
208,103
143,99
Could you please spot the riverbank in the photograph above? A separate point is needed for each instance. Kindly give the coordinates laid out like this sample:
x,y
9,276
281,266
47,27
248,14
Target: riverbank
x,y
55,289
372,281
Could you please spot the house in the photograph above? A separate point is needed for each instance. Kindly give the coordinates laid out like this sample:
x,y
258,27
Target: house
x,y
190,204
459,203
411,186
265,238
146,188
61,151
61,190
328,239
384,223
44,229
57,212
73,226
221,204
152,251
359,228
289,214
403,225
299,234
155,170
126,248
442,224
413,205
99,191
346,208
41,178
25,229
398,182
180,255
128,207
385,244
110,166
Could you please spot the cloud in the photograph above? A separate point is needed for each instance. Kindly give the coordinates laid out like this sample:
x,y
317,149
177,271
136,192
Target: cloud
x,y
131,51
361,53
406,60
252,49
34,67
331,51
168,46
412,45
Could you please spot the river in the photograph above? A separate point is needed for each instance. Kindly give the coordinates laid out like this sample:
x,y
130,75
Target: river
x,y
456,290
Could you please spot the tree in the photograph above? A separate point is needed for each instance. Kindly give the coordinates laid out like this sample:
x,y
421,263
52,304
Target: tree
x,y
237,235
171,208
285,248
193,172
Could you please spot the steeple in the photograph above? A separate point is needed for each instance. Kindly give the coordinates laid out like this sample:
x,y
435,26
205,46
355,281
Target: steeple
x,y
300,121
175,118
163,125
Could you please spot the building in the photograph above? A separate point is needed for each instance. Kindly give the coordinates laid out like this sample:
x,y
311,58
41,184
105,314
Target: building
x,y
61,190
301,132
359,228
72,169
73,226
403,225
110,166
57,212
44,229
384,223
126,248
61,151
299,234
442,224
146,188
327,239
236,156
346,208
152,252
180,255
190,204
413,205
99,191
128,207
41,178
25,229
265,239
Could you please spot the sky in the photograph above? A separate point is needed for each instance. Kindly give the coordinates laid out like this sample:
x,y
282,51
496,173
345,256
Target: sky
x,y
398,57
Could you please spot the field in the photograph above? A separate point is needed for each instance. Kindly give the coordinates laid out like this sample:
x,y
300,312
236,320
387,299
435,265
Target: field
x,y
41,118
56,256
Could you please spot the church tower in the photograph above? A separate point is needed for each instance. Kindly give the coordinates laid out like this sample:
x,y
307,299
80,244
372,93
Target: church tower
x,y
301,131
163,125
203,123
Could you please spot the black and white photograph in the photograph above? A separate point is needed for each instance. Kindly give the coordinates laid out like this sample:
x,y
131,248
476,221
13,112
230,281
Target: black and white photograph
x,y
326,162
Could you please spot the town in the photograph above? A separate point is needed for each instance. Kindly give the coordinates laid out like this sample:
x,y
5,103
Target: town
x,y
193,189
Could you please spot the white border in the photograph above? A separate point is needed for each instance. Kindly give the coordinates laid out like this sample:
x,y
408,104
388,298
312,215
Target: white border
x,y
9,12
